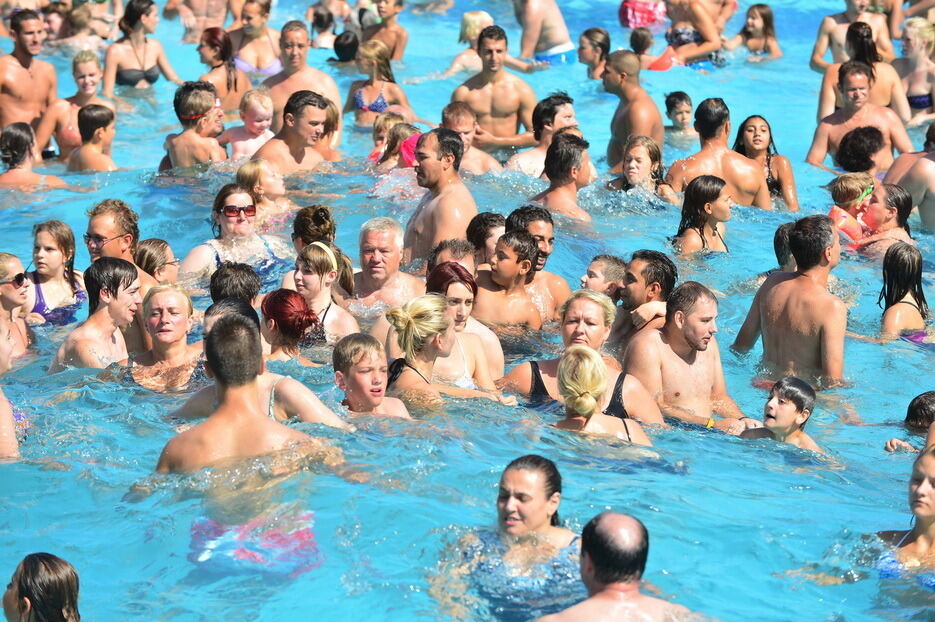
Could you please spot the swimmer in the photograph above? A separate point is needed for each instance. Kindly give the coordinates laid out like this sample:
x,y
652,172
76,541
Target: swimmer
x,y
286,320
79,31
388,31
17,146
11,419
43,587
198,110
447,206
292,149
788,408
502,298
744,177
216,51
113,297
460,252
255,46
382,125
705,209
322,25
650,279
58,289
758,35
553,113
317,268
605,275
312,223
903,301
801,322
593,48
380,87
483,232
548,290
268,190
472,23
200,15
919,181
340,11
256,112
916,69
155,258
459,118
14,295
755,141
545,36
567,167
380,279
679,112
920,419
28,86
97,127
360,370
641,41
886,220
642,168
694,34
833,30
236,280
637,114
136,60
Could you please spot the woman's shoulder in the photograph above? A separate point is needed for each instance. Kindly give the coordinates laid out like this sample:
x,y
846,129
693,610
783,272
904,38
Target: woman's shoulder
x,y
893,537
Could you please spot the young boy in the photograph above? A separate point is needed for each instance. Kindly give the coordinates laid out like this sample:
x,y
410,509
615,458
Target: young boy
x,y
198,108
679,111
96,126
389,31
787,410
256,112
360,371
606,274
920,419
501,291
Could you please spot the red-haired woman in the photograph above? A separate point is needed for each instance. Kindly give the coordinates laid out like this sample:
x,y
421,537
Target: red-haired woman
x,y
286,320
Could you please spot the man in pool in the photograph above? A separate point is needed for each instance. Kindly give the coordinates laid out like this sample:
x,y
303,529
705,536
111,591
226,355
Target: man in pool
x,y
197,15
380,280
292,149
113,298
550,115
568,169
27,85
744,177
447,207
548,290
297,75
854,80
680,364
501,100
802,323
545,35
614,548
637,114
650,277
833,31
459,118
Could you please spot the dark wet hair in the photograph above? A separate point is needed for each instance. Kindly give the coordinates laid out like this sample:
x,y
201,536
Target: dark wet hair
x,y
544,112
107,274
565,153
853,67
494,33
221,41
523,244
233,306
766,14
478,230
659,269
796,391
613,561
676,98
133,11
809,238
902,274
599,40
322,19
345,46
857,148
781,243
234,280
233,350
16,142
710,116
449,144
900,200
314,223
700,191
51,585
684,298
92,118
921,411
522,216
220,199
740,148
458,249
300,100
446,273
553,479
17,17
859,39
641,39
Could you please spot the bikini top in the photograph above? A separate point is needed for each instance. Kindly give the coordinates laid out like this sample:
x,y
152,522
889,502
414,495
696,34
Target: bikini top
x,y
540,394
396,369
775,188
132,77
465,380
270,70
920,102
889,567
378,105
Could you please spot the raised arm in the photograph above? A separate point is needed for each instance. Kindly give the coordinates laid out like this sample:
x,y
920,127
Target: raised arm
x,y
400,48
883,41
898,135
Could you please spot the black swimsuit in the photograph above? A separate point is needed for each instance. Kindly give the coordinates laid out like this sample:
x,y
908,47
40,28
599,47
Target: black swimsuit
x,y
775,188
539,395
396,369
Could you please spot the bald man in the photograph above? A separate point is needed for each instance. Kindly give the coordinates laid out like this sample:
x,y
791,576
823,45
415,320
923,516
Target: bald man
x,y
637,114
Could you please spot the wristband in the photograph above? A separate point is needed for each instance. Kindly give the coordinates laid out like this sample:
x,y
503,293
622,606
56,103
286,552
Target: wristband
x,y
710,423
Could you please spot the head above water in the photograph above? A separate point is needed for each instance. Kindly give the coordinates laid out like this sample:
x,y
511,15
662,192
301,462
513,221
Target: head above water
x,y
16,144
810,241
920,413
658,269
46,589
230,306
582,380
233,351
685,297
902,274
544,112
712,118
565,158
107,274
491,33
418,322
797,391
857,149
234,280
552,479
614,549
453,250
448,144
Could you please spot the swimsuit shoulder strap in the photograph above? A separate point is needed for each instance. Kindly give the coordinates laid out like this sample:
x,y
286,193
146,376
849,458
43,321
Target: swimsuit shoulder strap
x,y
271,409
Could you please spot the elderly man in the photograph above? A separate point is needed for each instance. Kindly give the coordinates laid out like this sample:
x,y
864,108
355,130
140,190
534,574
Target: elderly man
x,y
379,279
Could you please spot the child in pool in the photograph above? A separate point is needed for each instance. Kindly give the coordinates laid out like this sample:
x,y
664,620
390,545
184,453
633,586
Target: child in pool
x,y
382,125
641,40
256,112
920,419
388,31
96,126
679,111
197,107
758,35
501,291
785,414
360,370
851,192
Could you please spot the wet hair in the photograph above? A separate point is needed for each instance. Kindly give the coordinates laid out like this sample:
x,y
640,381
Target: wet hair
x,y
599,40
552,478
655,156
684,298
494,33
78,18
640,40
457,247
446,273
544,112
220,200
522,216
382,223
219,39
125,218
615,268
351,348
852,68
378,52
859,43
289,310
300,100
796,391
923,29
614,560
764,12
233,306
85,56
313,258
65,240
16,143
857,148
781,243
233,350
659,269
565,153
234,280
449,144
133,11
523,244
458,111
710,117
418,321
24,15
384,121
582,380
699,192
900,200
51,585
168,287
322,19
107,274
265,5
739,145
345,46
92,118
478,230
256,97
848,187
921,411
809,238
314,223
192,101
151,255
248,175
902,274
677,98
608,310
395,138
471,22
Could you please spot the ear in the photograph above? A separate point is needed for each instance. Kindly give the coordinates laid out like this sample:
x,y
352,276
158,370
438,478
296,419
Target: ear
x,y
654,290
802,417
26,608
553,502
679,318
208,371
707,208
99,133
525,266
288,119
105,296
340,381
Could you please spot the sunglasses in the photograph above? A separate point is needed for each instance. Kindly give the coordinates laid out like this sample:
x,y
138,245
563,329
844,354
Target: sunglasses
x,y
174,262
18,281
98,242
231,211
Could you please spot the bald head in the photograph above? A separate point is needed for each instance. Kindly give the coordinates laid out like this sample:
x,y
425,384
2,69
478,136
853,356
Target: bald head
x,y
617,546
625,61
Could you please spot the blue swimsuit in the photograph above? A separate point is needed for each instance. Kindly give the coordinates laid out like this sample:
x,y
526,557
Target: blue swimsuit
x,y
889,567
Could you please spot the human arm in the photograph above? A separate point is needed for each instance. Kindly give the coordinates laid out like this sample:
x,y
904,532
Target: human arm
x,y
198,261
728,7
787,183
517,380
639,403
898,135
47,126
819,149
817,61
665,192
689,242
899,103
832,342
636,434
299,401
402,38
165,67
733,43
530,17
235,8
827,95
772,44
762,199
706,28
919,8
111,61
9,445
481,374
883,41
198,405
750,331
349,102
517,65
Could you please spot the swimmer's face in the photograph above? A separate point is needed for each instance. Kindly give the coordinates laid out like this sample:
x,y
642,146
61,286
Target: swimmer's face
x,y
782,415
564,117
466,262
637,165
544,235
681,116
386,8
522,504
504,265
465,128
583,324
87,76
239,225
105,239
6,363
876,212
30,36
634,290
754,22
699,325
123,306
310,124
587,53
857,6
913,43
720,208
756,136
922,487
11,600
429,167
294,48
256,119
856,89
595,280
150,20
309,283
12,296
207,53
611,78
168,272
46,254
53,24
460,301
272,183
364,384
490,244
254,20
380,254
167,317
492,54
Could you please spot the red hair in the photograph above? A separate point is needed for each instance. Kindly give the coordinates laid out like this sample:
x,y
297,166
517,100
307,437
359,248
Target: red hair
x,y
291,313
444,274
221,41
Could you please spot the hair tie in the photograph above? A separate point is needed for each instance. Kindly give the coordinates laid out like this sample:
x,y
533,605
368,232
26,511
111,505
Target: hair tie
x,y
329,252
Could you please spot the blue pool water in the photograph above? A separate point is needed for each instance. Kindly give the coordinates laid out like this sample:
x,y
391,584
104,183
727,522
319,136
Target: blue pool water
x,y
729,519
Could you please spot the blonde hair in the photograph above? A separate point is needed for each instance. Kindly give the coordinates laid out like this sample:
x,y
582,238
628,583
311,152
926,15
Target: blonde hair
x,y
377,51
385,121
167,287
256,97
352,348
314,258
194,105
85,56
847,187
417,321
472,23
5,258
395,139
248,175
582,379
601,300
923,29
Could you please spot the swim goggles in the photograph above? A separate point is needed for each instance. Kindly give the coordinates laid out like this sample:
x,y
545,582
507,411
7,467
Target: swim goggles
x,y
866,193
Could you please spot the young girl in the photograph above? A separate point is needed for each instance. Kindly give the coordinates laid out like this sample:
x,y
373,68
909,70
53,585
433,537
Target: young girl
x,y
642,167
317,267
58,289
256,112
905,307
268,190
758,35
382,125
368,98
705,209
395,137
755,141
155,257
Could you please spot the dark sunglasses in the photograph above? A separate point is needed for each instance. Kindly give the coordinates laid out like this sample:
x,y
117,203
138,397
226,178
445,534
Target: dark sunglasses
x,y
232,210
18,281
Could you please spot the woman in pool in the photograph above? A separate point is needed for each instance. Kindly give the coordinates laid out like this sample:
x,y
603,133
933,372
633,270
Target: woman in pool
x,y
58,289
705,209
379,89
215,51
755,141
286,320
61,118
886,89
642,167
13,422
885,220
586,319
256,45
43,587
136,60
234,217
758,35
155,258
14,293
916,69
17,143
317,268
582,381
593,48
312,223
902,298
268,191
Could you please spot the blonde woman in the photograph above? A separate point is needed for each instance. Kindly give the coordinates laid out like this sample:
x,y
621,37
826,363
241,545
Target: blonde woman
x,y
370,97
916,69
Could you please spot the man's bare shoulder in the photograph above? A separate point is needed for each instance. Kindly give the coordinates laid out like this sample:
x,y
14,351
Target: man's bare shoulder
x,y
742,162
272,147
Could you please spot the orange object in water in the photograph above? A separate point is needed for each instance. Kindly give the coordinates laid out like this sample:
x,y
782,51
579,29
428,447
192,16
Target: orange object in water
x,y
846,223
664,62
637,13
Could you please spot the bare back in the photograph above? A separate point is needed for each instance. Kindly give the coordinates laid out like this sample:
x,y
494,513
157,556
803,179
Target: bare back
x,y
744,177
